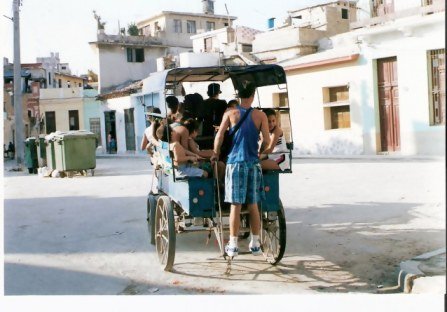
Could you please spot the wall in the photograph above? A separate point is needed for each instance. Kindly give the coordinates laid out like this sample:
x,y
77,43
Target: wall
x,y
307,111
114,68
92,109
170,37
417,135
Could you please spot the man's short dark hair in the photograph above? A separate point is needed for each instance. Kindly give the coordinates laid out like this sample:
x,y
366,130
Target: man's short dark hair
x,y
246,89
172,102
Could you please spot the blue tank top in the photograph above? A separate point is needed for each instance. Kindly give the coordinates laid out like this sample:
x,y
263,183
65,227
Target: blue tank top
x,y
245,141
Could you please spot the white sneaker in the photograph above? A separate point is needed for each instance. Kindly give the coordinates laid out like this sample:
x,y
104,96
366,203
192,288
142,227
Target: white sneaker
x,y
255,249
231,251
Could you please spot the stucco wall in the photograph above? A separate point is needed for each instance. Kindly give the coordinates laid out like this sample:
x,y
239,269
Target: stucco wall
x,y
61,108
114,68
307,111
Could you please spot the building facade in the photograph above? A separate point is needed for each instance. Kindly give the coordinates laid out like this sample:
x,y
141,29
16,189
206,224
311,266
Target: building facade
x,y
379,89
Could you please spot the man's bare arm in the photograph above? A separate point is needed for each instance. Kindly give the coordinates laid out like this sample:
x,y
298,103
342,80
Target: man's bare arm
x,y
218,140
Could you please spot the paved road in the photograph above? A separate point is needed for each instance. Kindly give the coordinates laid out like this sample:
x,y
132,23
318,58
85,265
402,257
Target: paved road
x,y
350,222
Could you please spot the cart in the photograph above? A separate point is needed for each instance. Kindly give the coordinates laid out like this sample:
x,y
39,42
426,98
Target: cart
x,y
185,205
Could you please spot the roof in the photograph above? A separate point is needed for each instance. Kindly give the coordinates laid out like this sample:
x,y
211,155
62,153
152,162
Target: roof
x,y
328,57
9,73
122,90
164,13
68,75
320,4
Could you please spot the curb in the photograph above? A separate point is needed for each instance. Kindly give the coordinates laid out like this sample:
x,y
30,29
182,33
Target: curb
x,y
409,270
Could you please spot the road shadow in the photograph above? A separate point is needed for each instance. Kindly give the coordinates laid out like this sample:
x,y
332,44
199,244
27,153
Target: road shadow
x,y
25,279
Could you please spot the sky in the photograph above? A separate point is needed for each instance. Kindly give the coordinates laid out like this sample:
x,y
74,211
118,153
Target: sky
x,y
68,26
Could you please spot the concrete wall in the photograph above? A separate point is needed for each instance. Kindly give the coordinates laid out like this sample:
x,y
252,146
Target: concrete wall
x,y
114,69
307,110
168,34
199,59
92,109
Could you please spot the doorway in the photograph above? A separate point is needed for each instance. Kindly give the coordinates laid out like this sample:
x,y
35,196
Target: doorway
x,y
388,90
110,135
129,123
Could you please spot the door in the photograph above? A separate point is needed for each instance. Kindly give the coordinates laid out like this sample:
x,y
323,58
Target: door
x,y
50,122
388,104
110,127
130,129
73,119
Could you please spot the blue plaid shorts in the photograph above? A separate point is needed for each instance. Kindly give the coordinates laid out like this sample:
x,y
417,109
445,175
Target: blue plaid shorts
x,y
243,183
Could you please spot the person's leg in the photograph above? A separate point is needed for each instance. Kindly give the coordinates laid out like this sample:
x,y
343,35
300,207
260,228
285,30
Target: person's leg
x,y
235,219
255,222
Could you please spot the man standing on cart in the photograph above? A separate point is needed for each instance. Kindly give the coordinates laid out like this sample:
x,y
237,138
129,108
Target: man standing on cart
x,y
243,175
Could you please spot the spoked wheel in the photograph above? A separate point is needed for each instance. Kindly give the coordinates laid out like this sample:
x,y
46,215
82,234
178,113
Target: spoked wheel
x,y
165,232
151,203
273,242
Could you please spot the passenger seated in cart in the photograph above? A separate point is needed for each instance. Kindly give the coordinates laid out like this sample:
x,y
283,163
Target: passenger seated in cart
x,y
185,164
193,128
277,157
173,106
191,105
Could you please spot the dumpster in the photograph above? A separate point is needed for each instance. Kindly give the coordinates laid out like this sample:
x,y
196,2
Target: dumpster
x,y
74,151
31,155
49,151
41,151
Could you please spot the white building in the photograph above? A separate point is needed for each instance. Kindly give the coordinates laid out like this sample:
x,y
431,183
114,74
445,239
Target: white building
x,y
379,88
124,60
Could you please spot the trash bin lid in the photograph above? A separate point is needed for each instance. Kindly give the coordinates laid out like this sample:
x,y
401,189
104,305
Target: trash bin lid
x,y
58,135
30,139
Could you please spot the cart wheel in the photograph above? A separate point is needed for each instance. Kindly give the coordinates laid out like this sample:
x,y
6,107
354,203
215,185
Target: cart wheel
x,y
273,242
165,232
93,172
151,203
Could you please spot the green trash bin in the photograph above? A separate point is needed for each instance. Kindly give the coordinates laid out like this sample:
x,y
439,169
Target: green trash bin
x,y
74,151
41,151
49,151
31,155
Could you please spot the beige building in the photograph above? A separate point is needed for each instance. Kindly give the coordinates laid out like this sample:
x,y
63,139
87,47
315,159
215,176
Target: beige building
x,y
301,32
67,80
62,108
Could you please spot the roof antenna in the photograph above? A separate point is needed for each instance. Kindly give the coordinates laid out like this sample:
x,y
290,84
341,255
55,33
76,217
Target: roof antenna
x,y
228,15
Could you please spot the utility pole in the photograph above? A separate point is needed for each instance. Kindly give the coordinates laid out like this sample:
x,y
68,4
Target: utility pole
x,y
18,112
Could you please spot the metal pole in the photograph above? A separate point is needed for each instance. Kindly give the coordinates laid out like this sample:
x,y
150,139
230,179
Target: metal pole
x,y
18,113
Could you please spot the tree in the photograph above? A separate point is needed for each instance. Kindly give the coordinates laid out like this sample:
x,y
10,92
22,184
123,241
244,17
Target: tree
x,y
132,29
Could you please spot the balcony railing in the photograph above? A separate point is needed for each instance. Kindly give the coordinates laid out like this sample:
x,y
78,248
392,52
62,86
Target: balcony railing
x,y
416,11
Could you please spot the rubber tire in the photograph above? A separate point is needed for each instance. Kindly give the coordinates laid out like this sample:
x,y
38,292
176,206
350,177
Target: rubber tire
x,y
274,258
165,232
150,216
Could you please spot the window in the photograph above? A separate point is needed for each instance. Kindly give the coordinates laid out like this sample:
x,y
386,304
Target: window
x,y
135,55
208,44
59,81
191,27
50,122
63,67
337,112
73,120
177,26
80,85
95,127
210,26
344,14
436,62
68,84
